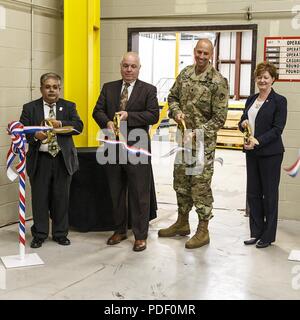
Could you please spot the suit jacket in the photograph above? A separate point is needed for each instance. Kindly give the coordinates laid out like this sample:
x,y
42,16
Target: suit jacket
x,y
33,115
142,106
269,124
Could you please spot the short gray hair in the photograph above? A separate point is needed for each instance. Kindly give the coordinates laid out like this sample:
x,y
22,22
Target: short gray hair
x,y
48,75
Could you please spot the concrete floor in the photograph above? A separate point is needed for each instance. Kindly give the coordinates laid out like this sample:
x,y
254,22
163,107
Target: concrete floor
x,y
224,269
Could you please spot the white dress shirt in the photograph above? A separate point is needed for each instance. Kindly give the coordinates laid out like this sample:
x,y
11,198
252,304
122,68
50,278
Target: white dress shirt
x,y
252,113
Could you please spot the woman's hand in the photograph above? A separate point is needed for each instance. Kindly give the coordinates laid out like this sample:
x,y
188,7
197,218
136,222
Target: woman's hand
x,y
251,142
249,146
245,123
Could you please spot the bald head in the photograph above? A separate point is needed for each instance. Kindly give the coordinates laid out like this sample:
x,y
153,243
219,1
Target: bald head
x,y
203,52
205,42
130,66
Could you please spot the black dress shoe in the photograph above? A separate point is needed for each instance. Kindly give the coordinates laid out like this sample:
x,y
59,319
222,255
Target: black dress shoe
x,y
36,243
64,241
250,241
262,244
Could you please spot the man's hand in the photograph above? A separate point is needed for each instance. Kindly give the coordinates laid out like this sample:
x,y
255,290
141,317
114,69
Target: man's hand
x,y
188,138
180,116
110,126
56,123
123,115
40,135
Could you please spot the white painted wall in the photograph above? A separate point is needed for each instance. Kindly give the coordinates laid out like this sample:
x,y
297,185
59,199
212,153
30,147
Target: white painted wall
x,y
16,72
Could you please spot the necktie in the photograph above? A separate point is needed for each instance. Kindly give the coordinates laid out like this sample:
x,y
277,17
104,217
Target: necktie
x,y
124,97
53,147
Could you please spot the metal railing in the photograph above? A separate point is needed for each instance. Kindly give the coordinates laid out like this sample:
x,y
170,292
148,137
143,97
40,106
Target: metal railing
x,y
163,86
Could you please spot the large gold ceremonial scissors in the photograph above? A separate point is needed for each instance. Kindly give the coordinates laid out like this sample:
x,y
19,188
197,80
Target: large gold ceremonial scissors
x,y
182,126
51,133
187,135
248,137
117,122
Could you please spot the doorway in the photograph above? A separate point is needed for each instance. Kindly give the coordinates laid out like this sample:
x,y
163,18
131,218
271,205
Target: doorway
x,y
164,52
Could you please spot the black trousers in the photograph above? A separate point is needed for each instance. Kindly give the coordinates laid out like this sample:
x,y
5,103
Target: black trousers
x,y
130,185
263,177
50,188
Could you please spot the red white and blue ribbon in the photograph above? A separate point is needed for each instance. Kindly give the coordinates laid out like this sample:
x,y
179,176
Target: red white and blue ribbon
x,y
135,150
293,170
175,150
178,149
131,149
17,149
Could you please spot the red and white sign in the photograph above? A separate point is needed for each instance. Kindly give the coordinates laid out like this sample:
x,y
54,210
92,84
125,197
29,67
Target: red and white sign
x,y
284,53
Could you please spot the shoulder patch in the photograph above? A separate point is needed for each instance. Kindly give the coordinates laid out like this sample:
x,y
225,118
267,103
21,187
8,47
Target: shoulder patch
x,y
221,96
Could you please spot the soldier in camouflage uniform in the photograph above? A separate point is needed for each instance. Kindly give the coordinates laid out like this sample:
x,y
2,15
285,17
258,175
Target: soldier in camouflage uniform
x,y
200,97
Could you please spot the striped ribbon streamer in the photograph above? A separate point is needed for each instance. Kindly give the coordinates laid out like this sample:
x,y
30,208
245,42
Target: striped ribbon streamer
x,y
131,149
293,170
178,149
17,148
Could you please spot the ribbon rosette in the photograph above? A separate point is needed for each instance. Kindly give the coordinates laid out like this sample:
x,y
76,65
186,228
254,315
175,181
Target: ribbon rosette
x,y
17,148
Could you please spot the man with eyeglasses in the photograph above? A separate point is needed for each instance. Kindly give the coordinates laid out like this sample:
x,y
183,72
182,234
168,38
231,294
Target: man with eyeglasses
x,y
50,164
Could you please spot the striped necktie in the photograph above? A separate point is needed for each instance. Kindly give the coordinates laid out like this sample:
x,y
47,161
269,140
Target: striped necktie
x,y
124,97
53,147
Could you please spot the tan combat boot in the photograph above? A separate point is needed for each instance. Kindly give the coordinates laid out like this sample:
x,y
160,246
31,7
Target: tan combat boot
x,y
181,227
201,236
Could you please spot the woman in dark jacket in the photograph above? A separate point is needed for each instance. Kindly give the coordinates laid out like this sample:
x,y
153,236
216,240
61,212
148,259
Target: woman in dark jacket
x,y
264,119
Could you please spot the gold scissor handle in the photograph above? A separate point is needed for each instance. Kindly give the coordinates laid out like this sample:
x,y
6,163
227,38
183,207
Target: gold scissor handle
x,y
50,134
182,126
248,135
117,121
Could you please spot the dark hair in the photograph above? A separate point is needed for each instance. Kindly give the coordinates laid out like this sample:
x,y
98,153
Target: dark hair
x,y
266,66
48,75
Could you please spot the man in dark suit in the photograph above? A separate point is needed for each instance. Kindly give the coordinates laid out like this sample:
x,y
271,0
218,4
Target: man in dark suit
x,y
136,103
50,165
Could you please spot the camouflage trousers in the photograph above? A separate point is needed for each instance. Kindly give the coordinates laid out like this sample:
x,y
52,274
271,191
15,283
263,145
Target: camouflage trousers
x,y
195,190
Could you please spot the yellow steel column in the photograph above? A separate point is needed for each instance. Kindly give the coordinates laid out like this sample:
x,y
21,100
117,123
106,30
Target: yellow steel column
x,y
82,62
